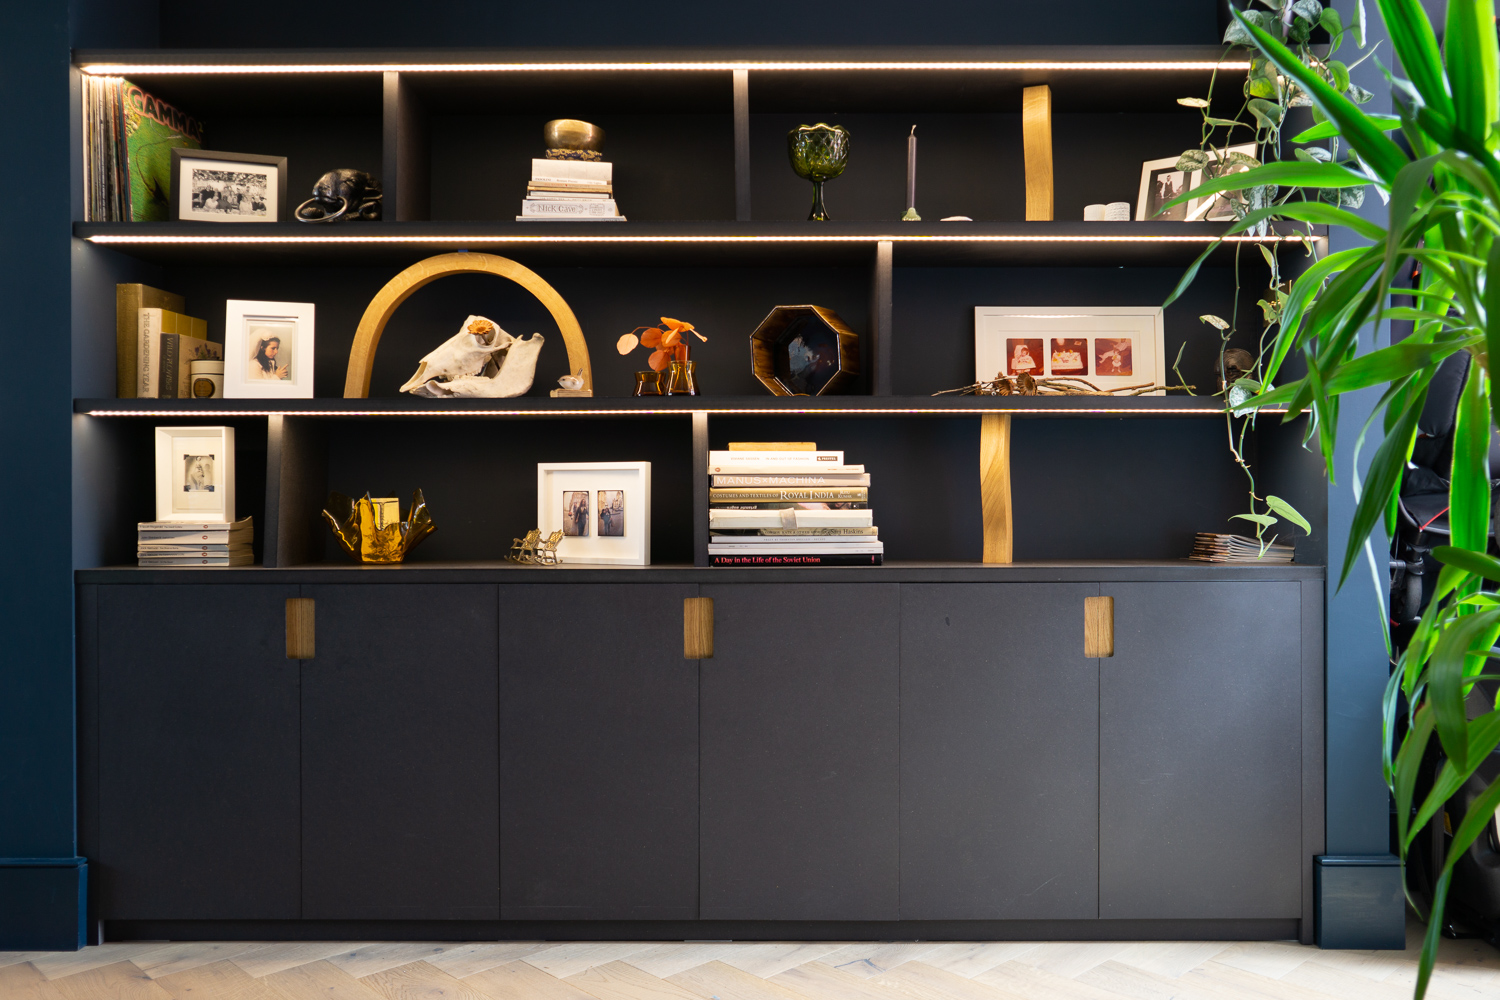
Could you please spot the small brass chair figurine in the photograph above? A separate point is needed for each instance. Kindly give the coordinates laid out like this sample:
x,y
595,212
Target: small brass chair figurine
x,y
523,550
370,538
546,553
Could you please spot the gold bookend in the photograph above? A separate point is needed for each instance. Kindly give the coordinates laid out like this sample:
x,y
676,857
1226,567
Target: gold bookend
x,y
371,530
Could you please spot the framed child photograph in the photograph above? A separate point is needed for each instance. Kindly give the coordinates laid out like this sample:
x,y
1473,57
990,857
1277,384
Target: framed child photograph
x,y
268,350
1110,347
195,474
213,186
603,510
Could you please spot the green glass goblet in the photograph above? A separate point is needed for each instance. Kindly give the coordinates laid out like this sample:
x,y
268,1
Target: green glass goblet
x,y
819,153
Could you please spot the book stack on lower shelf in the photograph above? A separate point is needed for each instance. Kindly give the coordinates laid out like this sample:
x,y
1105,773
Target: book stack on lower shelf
x,y
570,190
1216,548
182,543
789,504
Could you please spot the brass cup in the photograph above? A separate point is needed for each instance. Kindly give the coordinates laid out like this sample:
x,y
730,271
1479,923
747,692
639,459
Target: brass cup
x,y
569,133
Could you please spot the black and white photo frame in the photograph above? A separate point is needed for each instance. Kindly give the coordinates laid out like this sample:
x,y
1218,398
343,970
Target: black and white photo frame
x,y
195,474
209,185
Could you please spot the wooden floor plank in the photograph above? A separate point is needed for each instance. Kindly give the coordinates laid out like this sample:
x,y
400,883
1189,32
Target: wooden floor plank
x,y
24,981
1072,958
269,959
318,981
1251,985
1268,958
372,958
924,982
817,981
221,980
564,960
1141,984
420,981
179,956
120,981
619,981
1322,978
871,958
1039,984
1372,965
718,981
969,958
461,960
1169,958
17,957
767,960
667,960
57,964
519,981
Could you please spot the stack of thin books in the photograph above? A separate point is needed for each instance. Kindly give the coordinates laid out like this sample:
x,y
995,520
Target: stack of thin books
x,y
570,191
183,543
1211,547
788,504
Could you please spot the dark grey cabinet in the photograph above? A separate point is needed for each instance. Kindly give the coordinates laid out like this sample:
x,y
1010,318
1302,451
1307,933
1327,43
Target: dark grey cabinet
x,y
400,762
198,812
1200,752
999,753
598,754
799,817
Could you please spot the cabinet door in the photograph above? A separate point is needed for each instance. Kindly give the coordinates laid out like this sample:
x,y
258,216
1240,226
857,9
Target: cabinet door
x,y
400,763
799,753
1200,752
198,789
598,754
999,753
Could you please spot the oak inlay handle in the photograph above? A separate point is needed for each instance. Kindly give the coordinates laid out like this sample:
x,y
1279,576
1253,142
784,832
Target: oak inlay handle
x,y
301,637
697,628
1098,627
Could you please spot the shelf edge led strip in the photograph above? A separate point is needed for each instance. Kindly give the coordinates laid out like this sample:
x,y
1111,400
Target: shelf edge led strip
x,y
1050,411
129,69
561,238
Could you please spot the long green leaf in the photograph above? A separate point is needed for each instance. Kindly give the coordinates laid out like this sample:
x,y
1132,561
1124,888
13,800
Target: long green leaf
x,y
1483,737
1492,321
1292,172
1416,46
1469,488
1473,67
1303,290
1445,680
1480,814
1384,477
1428,958
1391,363
1289,512
1408,769
1383,155
1478,563
1408,189
1322,213
1327,130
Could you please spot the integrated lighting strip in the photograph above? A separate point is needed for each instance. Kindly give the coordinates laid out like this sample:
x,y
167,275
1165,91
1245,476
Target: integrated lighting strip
x,y
130,69
523,238
710,410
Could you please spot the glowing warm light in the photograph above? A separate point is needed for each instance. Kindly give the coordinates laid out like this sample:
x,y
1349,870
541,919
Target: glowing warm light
x,y
524,238
130,69
731,411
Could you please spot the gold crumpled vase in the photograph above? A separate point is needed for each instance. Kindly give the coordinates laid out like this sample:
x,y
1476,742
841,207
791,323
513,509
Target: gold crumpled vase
x,y
368,537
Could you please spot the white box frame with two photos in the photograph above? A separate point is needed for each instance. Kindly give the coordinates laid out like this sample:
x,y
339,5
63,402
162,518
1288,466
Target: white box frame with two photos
x,y
195,474
628,489
1111,346
250,326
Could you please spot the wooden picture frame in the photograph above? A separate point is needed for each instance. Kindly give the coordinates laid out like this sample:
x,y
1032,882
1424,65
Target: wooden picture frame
x,y
256,183
195,474
829,350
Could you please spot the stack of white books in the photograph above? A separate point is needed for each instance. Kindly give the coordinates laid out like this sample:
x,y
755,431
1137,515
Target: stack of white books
x,y
185,543
570,190
788,504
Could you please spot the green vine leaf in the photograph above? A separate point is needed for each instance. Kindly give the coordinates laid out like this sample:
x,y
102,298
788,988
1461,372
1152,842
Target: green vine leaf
x,y
1267,114
1289,512
1316,154
1263,519
1214,321
1193,159
1192,102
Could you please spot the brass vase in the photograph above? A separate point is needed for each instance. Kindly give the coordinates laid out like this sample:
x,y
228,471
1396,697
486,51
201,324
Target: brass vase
x,y
819,153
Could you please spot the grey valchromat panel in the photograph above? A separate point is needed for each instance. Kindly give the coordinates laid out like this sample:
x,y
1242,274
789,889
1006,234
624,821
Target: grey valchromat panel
x,y
999,753
400,762
799,761
198,816
598,754
1200,752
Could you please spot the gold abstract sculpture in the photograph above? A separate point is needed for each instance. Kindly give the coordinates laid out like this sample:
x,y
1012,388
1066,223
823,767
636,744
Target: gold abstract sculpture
x,y
367,534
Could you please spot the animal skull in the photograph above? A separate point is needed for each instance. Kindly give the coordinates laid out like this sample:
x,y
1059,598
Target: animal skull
x,y
480,360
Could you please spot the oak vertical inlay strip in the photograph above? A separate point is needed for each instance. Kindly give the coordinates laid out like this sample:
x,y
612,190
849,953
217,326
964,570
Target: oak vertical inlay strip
x,y
742,145
697,628
1098,627
301,638
1036,138
994,486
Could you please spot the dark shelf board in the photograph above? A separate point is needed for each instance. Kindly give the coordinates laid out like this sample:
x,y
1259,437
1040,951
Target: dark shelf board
x,y
894,572
624,244
844,79
667,406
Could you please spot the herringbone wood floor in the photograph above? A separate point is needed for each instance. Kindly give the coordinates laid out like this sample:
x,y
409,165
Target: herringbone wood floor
x,y
793,971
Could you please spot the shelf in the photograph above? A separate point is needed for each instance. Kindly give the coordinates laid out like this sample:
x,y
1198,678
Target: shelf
x,y
1014,244
615,406
845,79
893,572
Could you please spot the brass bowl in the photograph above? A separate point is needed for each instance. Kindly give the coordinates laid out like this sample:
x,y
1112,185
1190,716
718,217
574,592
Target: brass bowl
x,y
570,133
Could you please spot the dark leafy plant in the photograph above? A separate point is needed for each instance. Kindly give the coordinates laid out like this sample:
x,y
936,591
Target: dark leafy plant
x,y
1443,200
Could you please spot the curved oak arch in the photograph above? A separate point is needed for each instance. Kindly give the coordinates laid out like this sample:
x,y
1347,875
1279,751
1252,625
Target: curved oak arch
x,y
396,291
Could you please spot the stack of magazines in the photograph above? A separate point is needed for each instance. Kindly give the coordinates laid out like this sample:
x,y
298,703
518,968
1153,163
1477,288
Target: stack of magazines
x,y
183,543
1211,547
788,504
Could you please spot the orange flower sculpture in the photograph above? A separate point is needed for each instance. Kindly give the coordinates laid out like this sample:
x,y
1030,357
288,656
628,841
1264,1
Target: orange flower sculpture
x,y
668,342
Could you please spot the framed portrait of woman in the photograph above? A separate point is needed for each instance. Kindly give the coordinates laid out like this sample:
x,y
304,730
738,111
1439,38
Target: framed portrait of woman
x,y
195,474
268,350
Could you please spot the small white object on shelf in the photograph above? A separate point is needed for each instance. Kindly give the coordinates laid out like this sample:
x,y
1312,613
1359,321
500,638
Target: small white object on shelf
x,y
956,218
1117,211
1093,213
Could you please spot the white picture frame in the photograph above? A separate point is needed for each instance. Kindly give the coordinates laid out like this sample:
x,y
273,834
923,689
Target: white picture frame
x,y
1078,341
195,474
1216,207
250,327
616,526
